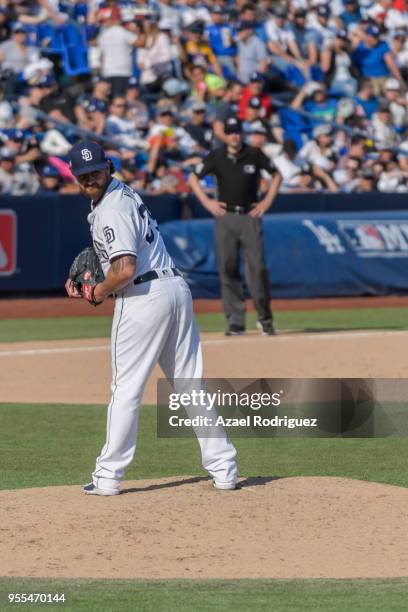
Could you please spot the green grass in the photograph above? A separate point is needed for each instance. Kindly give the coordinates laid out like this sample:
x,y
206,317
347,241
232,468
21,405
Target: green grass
x,y
218,596
43,445
14,330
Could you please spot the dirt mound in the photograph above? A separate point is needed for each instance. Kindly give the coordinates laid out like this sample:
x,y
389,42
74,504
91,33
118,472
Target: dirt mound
x,y
183,528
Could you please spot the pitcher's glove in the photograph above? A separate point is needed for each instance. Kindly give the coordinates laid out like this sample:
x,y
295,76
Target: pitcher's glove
x,y
86,272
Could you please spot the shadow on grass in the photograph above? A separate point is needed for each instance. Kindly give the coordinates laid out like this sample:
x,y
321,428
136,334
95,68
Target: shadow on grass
x,y
339,330
253,481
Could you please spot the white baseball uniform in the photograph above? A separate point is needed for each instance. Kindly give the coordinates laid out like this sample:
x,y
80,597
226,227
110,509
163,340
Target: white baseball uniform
x,y
153,323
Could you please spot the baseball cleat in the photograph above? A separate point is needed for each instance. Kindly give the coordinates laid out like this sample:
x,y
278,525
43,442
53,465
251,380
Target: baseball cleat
x,y
90,489
235,330
225,486
266,328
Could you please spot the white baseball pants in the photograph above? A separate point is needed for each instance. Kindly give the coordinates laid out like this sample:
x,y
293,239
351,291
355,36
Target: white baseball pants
x,y
153,323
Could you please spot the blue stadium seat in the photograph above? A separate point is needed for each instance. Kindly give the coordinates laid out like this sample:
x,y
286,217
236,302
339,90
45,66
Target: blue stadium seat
x,y
74,49
48,39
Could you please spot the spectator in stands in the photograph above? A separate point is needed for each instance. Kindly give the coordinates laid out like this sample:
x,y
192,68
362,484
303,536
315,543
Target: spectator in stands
x,y
384,132
221,36
228,107
346,177
164,182
25,146
256,89
137,111
172,15
319,151
357,150
397,102
351,13
252,52
43,11
116,45
311,179
15,179
50,181
193,11
197,50
373,57
253,115
304,38
365,99
58,103
339,73
281,42
322,32
313,98
155,58
5,20
120,129
198,128
96,111
101,89
167,140
197,73
15,55
399,50
366,181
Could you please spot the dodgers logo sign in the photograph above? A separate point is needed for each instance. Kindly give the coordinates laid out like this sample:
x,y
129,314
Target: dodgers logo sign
x,y
8,242
86,155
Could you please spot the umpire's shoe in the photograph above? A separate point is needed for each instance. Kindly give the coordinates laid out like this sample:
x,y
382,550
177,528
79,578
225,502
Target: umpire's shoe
x,y
91,489
235,330
266,328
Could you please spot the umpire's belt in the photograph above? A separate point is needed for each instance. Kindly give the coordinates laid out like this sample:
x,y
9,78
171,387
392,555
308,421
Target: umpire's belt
x,y
153,274
238,210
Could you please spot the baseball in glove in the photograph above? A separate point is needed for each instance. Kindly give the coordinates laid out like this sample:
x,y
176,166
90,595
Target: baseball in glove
x,y
86,272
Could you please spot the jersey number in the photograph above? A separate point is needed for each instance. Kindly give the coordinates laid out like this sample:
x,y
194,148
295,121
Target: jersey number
x,y
150,234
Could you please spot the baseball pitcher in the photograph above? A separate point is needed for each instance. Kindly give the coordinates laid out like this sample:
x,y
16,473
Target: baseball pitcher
x,y
153,318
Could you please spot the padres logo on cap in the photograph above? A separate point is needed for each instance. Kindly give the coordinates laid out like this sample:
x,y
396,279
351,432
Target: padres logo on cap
x,y
86,155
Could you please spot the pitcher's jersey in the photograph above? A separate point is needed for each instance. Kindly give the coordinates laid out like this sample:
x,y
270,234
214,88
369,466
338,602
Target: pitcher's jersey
x,y
122,225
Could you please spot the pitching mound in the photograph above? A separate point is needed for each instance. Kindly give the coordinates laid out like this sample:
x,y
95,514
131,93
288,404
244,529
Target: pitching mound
x,y
183,528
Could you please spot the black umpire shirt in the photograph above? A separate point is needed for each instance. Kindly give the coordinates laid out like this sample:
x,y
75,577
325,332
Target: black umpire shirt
x,y
237,176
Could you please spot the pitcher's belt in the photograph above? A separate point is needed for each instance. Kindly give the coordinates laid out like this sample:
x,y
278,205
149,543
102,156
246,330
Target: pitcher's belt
x,y
153,274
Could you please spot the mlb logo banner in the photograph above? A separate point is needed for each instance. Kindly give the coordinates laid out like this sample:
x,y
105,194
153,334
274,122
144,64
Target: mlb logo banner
x,y
8,242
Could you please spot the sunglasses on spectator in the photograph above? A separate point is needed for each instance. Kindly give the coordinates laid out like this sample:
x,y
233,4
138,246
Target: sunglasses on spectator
x,y
120,105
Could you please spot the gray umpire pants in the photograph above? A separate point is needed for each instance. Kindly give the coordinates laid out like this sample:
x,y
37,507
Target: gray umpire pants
x,y
234,233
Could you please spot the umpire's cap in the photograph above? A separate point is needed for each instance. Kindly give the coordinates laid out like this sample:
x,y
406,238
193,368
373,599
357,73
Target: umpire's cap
x,y
87,156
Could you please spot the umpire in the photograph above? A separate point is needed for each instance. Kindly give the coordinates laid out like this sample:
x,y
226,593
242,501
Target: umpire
x,y
237,168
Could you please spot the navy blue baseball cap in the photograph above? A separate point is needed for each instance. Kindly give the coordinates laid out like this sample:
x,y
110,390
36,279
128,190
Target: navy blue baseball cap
x,y
257,77
87,156
233,125
133,83
49,171
372,30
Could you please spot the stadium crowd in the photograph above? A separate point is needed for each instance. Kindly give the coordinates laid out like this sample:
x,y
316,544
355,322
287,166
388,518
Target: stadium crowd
x,y
320,87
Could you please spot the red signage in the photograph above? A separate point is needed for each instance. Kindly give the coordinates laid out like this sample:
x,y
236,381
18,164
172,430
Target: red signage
x,y
8,242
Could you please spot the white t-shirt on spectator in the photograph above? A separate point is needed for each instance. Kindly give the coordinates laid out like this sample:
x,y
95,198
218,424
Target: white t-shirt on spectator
x,y
311,154
116,45
282,36
190,14
122,130
160,52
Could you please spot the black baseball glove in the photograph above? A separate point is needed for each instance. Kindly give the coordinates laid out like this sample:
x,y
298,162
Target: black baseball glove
x,y
86,272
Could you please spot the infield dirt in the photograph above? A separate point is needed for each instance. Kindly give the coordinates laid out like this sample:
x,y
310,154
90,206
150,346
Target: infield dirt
x,y
181,527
